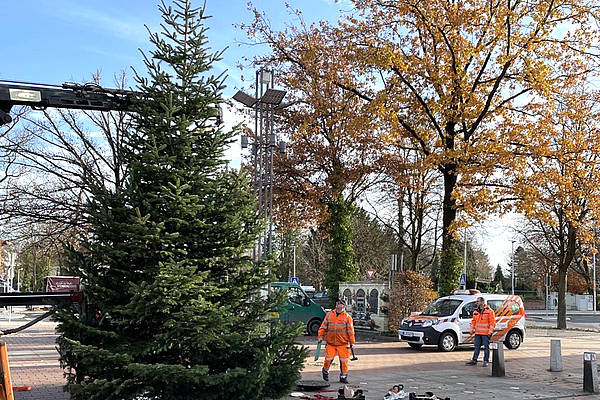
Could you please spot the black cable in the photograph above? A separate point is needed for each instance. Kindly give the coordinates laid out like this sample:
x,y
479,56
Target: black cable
x,y
27,325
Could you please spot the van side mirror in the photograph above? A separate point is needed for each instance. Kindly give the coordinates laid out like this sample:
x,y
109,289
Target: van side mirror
x,y
306,302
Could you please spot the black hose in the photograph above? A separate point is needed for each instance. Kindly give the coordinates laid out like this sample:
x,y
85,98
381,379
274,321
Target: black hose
x,y
27,325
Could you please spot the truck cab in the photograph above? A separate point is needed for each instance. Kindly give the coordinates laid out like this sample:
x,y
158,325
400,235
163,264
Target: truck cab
x,y
299,307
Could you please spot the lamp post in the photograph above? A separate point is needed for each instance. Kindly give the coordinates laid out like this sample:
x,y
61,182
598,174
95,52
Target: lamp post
x,y
19,279
594,267
264,102
294,260
594,277
464,271
512,284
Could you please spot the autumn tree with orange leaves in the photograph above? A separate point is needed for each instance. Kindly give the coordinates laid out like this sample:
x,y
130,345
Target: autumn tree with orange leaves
x,y
334,150
557,180
453,78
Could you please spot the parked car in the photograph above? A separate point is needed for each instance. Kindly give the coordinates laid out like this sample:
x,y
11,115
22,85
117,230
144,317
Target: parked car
x,y
447,321
321,299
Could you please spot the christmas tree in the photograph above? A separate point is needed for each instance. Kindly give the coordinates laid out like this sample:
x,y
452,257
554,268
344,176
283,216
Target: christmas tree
x,y
173,301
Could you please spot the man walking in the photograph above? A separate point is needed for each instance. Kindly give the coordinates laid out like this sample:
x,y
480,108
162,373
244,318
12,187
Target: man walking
x,y
338,330
482,325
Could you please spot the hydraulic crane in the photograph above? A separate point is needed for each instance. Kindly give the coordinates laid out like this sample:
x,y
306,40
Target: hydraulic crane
x,y
88,96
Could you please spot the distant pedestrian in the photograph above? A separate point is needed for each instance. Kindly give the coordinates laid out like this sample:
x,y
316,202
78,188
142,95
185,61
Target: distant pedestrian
x,y
482,325
338,330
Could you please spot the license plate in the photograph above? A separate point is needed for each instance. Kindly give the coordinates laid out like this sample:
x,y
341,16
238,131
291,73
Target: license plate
x,y
407,333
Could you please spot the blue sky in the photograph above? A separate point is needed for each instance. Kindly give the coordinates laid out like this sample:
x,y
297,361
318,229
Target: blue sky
x,y
53,41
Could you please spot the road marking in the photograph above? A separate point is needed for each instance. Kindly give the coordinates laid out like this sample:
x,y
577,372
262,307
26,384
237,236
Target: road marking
x,y
36,365
31,353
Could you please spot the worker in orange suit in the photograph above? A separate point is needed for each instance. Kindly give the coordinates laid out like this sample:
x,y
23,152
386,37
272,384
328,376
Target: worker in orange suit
x,y
338,330
482,325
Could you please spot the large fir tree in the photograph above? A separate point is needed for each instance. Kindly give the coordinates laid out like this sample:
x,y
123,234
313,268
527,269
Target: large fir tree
x,y
173,307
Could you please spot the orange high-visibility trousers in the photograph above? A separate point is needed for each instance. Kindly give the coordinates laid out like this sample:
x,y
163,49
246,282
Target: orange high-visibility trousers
x,y
343,352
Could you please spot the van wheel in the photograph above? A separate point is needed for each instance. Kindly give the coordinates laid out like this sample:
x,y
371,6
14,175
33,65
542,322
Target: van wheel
x,y
416,346
447,342
513,340
313,327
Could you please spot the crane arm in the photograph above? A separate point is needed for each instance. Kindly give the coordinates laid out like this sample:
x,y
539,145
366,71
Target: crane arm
x,y
88,96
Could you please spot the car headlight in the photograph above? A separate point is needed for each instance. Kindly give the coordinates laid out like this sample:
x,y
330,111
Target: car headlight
x,y
427,324
403,321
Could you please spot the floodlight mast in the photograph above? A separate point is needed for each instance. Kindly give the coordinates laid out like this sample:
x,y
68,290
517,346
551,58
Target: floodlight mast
x,y
264,103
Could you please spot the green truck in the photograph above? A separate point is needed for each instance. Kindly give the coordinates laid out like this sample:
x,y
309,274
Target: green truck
x,y
299,307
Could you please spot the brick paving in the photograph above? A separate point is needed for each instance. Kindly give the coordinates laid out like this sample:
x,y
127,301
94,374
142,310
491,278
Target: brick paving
x,y
33,361
382,363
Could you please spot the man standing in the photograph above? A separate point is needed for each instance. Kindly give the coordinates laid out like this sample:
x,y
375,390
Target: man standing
x,y
482,325
338,330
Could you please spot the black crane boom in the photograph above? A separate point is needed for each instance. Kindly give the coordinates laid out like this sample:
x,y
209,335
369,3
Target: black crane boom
x,y
88,96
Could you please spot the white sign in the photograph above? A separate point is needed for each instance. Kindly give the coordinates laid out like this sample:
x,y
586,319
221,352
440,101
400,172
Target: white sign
x,y
370,273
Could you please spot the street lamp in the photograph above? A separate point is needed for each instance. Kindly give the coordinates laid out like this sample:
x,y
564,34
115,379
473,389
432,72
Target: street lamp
x,y
294,259
263,103
512,285
594,267
19,279
465,260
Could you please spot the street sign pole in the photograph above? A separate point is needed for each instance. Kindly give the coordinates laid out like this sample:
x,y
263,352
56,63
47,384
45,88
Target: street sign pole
x,y
594,266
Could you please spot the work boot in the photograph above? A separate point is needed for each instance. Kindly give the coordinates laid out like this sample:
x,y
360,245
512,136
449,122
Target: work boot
x,y
343,378
471,362
325,374
484,364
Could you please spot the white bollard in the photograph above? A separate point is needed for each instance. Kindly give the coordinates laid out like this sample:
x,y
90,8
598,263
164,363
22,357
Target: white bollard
x,y
555,356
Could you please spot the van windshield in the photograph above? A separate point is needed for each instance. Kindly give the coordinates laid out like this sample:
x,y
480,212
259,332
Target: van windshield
x,y
442,308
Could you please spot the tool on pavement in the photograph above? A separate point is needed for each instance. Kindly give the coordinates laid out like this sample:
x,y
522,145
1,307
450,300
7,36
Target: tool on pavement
x,y
396,392
318,350
347,393
426,396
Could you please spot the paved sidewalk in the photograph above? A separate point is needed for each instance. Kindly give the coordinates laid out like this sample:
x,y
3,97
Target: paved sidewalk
x,y
33,361
384,364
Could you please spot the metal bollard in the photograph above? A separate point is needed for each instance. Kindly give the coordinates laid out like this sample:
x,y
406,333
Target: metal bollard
x,y
590,373
555,356
498,359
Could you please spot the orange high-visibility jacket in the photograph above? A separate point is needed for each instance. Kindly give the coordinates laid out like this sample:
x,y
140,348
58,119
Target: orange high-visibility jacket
x,y
338,330
483,322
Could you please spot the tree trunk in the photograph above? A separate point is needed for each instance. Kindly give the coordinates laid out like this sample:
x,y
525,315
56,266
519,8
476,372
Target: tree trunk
x,y
561,320
450,264
565,260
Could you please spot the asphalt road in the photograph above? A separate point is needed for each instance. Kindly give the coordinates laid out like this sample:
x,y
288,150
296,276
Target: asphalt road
x,y
576,320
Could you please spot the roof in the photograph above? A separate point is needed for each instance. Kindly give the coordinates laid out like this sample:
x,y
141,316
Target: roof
x,y
474,297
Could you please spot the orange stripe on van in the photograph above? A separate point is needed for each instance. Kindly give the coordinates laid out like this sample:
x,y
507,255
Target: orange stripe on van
x,y
506,307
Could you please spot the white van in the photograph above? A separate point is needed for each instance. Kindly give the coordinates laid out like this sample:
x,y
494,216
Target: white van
x,y
446,322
